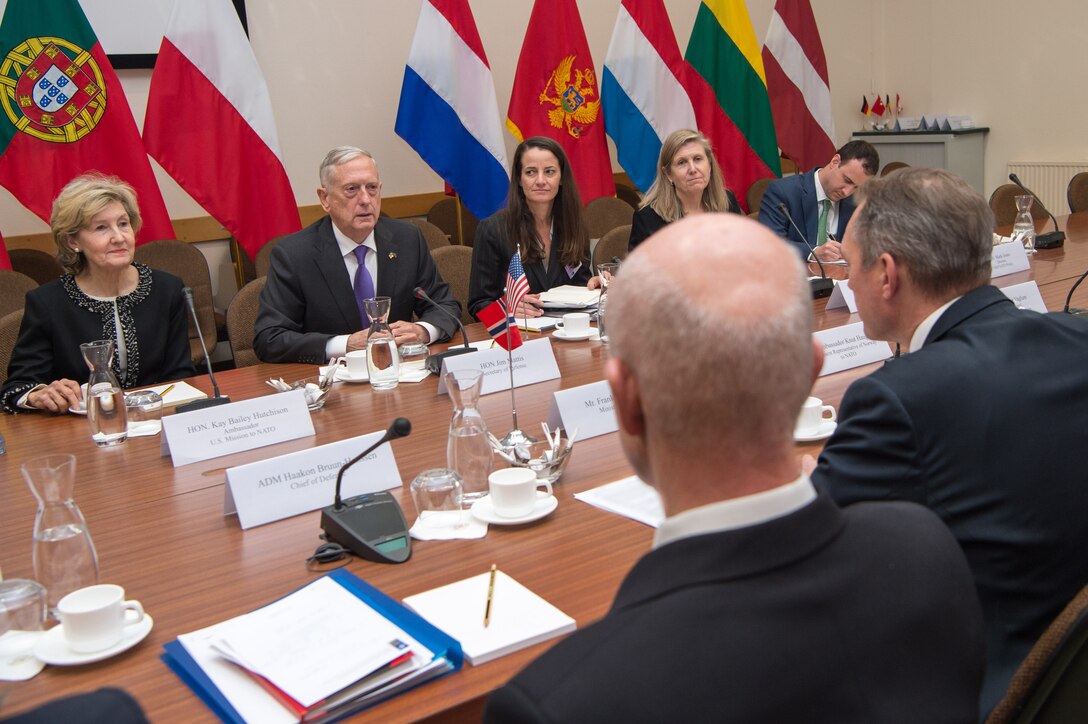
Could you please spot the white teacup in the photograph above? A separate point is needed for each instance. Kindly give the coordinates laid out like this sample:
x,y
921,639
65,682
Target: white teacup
x,y
813,414
94,618
513,491
574,324
356,363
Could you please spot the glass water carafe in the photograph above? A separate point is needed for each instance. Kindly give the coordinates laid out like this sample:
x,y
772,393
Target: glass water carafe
x,y
1023,228
469,448
64,556
382,358
105,399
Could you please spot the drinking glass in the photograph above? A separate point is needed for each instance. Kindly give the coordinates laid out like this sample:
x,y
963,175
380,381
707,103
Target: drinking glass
x,y
64,555
382,358
106,412
606,272
22,615
437,494
144,410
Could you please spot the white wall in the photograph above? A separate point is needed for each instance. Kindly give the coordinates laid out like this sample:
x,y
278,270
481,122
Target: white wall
x,y
334,69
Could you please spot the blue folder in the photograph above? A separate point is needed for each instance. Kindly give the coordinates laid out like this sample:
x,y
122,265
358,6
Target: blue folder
x,y
444,647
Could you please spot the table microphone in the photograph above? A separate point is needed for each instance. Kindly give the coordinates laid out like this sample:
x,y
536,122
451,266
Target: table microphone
x,y
434,362
1076,312
371,525
1050,239
823,286
216,399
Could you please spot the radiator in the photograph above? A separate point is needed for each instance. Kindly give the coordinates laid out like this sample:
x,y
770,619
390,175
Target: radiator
x,y
1049,180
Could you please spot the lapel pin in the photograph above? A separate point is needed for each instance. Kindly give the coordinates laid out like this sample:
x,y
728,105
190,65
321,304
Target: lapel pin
x,y
392,255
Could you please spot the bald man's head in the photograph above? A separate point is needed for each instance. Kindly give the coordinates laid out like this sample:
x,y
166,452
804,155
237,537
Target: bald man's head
x,y
713,317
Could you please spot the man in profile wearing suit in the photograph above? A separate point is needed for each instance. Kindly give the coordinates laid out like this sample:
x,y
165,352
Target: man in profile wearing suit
x,y
311,308
984,421
819,201
762,600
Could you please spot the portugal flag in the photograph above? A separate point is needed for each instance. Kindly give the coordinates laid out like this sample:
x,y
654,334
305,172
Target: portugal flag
x,y
556,95
65,113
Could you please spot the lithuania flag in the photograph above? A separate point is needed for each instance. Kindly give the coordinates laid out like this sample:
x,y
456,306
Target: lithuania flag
x,y
724,51
64,112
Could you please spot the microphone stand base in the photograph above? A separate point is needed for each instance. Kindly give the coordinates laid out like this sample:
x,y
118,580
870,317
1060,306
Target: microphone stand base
x,y
434,362
202,404
372,526
1050,240
821,287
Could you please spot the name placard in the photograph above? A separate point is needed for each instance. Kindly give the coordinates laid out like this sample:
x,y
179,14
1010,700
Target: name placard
x,y
533,362
299,482
1026,295
847,347
228,429
842,296
1008,258
586,408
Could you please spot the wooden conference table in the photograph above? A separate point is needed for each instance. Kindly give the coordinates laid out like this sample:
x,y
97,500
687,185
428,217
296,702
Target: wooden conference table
x,y
161,533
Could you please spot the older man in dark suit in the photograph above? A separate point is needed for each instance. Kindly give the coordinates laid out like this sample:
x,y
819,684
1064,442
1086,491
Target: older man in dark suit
x,y
761,601
984,421
311,307
819,201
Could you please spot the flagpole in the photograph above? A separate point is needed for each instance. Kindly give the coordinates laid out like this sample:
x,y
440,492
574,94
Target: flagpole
x,y
515,437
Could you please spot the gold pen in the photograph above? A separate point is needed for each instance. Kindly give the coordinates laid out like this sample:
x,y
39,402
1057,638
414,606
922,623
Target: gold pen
x,y
490,595
166,392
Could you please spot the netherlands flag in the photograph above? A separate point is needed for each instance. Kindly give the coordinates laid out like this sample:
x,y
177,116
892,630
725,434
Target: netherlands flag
x,y
209,123
643,99
448,112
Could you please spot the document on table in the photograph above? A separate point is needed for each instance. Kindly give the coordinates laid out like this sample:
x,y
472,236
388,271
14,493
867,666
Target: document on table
x,y
569,296
629,497
178,393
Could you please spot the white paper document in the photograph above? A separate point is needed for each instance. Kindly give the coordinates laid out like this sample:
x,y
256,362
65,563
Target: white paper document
x,y
518,618
629,497
569,296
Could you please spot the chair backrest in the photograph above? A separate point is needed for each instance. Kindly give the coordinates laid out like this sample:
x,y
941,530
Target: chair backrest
x,y
755,193
893,166
241,318
186,262
628,194
454,266
13,289
263,261
36,264
435,237
1003,204
606,213
444,215
9,333
1077,193
612,244
1051,684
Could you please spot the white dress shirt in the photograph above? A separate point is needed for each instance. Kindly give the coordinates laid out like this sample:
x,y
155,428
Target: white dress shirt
x,y
922,331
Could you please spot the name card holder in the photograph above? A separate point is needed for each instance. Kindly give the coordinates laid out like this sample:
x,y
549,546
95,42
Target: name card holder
x,y
847,347
298,482
842,296
200,435
586,408
1008,258
1026,295
533,362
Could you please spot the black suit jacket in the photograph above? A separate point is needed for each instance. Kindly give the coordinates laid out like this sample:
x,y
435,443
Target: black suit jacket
x,y
646,222
308,297
491,257
824,615
986,425
798,192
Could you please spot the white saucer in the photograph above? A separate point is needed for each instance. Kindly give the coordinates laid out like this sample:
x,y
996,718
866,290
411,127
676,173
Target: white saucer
x,y
824,431
53,649
78,410
342,375
563,335
545,504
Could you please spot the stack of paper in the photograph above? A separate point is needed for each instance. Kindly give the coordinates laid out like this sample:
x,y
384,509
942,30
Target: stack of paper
x,y
569,297
518,619
329,649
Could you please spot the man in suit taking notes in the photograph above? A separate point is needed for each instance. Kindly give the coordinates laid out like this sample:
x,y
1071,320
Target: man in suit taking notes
x,y
311,309
983,421
761,600
819,201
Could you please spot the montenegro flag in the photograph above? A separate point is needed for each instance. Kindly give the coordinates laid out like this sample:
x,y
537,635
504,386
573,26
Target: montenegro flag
x,y
556,95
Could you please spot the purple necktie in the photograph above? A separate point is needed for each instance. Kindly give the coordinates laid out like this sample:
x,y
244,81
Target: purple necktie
x,y
364,284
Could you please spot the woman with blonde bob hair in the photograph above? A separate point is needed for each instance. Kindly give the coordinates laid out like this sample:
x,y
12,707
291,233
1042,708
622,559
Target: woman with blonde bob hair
x,y
689,181
103,295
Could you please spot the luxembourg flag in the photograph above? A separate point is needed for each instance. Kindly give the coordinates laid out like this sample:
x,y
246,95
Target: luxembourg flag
x,y
642,97
209,124
448,112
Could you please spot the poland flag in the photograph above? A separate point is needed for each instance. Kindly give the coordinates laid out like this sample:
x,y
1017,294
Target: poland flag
x,y
209,124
